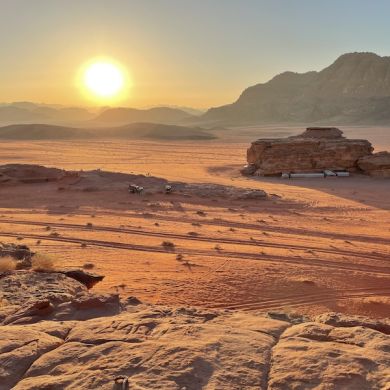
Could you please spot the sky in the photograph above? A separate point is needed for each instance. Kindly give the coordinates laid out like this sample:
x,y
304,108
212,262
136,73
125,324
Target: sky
x,y
197,53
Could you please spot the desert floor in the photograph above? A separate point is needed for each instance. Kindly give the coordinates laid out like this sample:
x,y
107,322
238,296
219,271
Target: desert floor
x,y
316,245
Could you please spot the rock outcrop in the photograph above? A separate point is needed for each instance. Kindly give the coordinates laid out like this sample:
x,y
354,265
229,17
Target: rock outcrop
x,y
377,164
26,173
315,150
46,342
28,297
98,180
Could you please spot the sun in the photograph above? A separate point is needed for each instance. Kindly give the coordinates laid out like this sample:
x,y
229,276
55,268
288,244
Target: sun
x,y
103,80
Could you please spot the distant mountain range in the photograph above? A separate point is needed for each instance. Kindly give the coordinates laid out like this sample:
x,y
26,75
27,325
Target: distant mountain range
x,y
131,131
355,89
22,112
123,115
27,112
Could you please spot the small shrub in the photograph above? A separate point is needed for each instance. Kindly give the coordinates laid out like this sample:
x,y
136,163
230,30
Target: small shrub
x,y
42,263
7,263
194,234
88,265
20,238
179,257
168,244
83,245
89,225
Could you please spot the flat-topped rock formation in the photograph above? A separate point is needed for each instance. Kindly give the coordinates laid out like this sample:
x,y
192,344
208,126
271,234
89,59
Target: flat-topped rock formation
x,y
315,150
159,347
322,132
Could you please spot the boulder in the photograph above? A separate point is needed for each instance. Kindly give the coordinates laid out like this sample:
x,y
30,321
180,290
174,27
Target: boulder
x,y
253,194
86,278
28,297
248,170
316,150
18,252
377,164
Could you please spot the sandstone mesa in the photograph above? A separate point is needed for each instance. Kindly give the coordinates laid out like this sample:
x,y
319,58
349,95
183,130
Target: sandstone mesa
x,y
315,150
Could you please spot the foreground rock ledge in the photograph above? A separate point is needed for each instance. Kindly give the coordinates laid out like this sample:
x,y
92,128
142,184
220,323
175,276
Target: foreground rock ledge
x,y
159,347
315,150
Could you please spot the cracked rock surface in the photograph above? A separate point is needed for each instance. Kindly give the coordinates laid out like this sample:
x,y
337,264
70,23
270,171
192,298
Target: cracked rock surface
x,y
159,347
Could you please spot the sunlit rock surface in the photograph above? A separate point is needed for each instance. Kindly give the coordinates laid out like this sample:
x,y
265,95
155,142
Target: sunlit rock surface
x,y
158,347
315,150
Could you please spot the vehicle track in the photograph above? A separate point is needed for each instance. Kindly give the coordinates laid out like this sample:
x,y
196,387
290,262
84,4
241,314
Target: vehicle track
x,y
312,262
250,226
255,242
304,299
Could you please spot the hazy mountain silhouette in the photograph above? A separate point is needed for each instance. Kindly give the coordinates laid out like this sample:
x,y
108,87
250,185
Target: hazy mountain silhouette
x,y
42,131
134,130
354,89
11,113
122,115
21,112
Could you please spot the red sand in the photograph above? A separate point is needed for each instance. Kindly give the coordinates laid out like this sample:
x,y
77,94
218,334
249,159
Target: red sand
x,y
323,245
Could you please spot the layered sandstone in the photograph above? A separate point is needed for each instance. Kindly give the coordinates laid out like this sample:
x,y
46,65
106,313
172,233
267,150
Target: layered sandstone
x,y
316,150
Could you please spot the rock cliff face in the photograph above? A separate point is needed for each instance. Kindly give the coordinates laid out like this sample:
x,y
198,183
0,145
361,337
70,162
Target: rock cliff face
x,y
354,89
157,347
315,150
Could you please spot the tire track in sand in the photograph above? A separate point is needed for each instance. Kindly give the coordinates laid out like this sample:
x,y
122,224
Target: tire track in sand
x,y
304,299
254,242
312,262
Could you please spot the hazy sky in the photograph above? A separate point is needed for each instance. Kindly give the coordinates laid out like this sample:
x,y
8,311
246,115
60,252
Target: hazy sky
x,y
196,53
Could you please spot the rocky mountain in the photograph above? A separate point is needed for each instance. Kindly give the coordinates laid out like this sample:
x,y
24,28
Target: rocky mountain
x,y
354,89
124,115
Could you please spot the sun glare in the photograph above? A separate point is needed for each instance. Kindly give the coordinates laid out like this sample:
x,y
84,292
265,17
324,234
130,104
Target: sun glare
x,y
103,79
